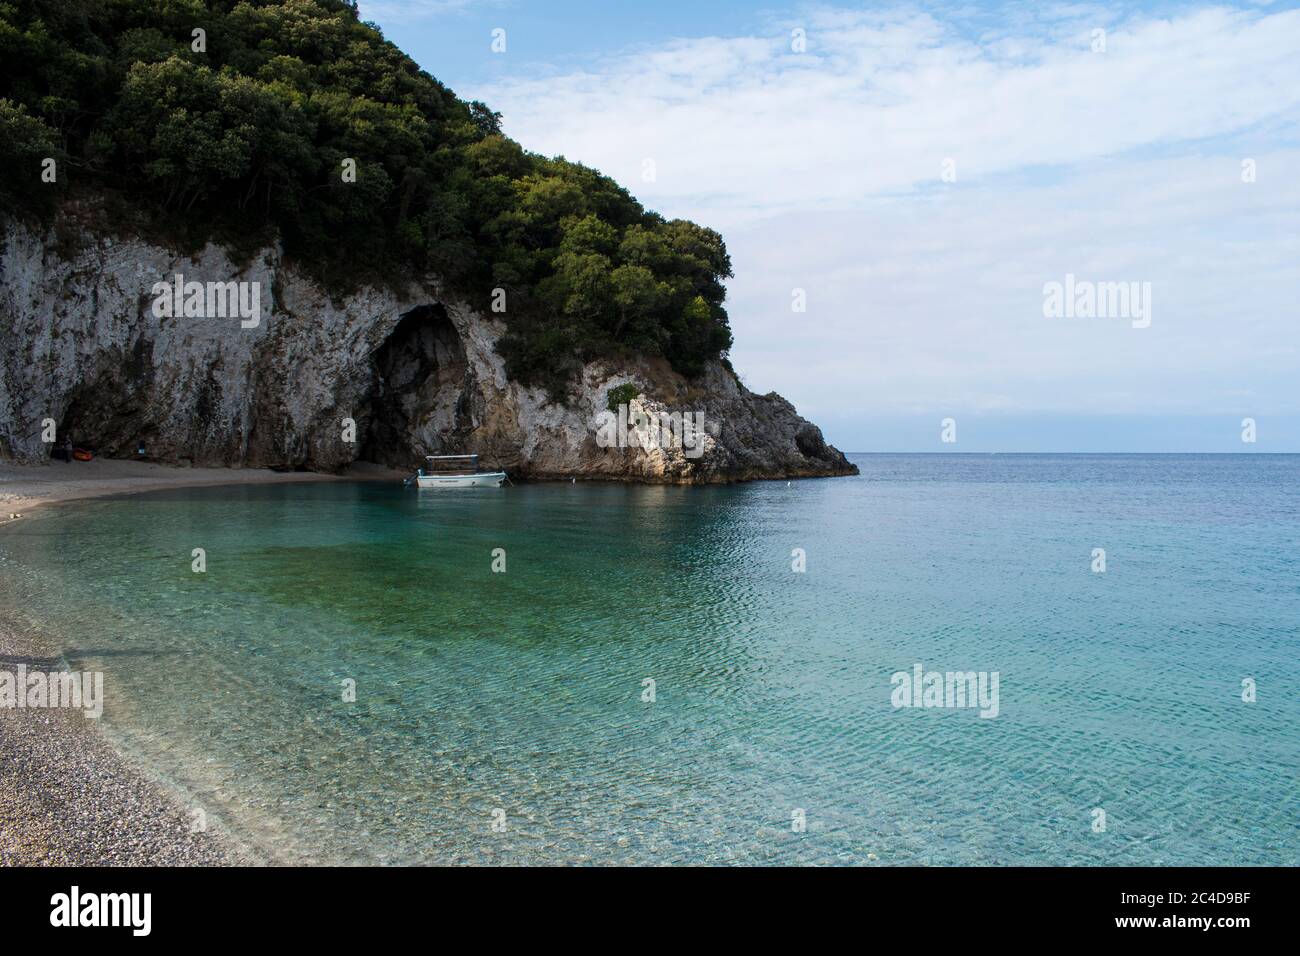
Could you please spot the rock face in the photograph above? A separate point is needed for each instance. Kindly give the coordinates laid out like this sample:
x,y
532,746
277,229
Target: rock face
x,y
316,384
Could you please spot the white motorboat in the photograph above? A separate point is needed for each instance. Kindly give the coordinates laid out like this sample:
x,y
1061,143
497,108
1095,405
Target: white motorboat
x,y
455,471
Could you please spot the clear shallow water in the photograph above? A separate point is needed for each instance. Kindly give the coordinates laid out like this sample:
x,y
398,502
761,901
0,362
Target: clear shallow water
x,y
522,691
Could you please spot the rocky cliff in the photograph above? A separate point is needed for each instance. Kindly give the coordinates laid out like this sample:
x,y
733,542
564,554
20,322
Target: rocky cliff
x,y
318,383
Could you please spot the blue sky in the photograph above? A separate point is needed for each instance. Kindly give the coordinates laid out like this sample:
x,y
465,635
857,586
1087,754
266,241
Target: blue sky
x,y
451,38
824,169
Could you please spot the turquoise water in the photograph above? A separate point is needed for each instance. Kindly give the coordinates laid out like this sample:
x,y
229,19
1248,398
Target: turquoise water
x,y
522,691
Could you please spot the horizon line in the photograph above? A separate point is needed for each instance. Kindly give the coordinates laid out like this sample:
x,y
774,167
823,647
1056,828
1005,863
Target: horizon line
x,y
1238,453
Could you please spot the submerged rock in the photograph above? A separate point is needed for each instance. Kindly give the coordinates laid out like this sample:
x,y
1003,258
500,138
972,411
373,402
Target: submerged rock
x,y
384,376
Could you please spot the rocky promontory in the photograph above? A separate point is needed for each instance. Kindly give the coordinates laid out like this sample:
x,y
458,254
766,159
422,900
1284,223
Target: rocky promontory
x,y
317,382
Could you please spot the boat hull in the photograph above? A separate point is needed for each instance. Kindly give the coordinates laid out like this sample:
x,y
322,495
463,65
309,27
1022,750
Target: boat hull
x,y
489,479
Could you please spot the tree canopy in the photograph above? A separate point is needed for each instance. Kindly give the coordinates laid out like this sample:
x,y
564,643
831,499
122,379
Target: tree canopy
x,y
249,139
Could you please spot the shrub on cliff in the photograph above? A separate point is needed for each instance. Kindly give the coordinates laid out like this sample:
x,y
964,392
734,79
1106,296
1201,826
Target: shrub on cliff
x,y
621,395
248,139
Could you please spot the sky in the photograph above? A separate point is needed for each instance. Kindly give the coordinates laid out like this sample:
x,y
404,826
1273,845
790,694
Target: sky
x,y
919,175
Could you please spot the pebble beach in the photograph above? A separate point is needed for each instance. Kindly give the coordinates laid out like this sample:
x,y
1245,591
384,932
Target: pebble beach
x,y
67,797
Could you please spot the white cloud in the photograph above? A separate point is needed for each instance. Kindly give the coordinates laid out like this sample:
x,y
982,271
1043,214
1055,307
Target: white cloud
x,y
822,169
924,305
876,104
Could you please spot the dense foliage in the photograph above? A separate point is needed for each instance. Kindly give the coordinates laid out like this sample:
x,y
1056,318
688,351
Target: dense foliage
x,y
248,139
621,395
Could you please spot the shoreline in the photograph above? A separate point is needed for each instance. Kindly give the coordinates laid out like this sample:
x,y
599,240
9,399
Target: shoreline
x,y
25,488
68,796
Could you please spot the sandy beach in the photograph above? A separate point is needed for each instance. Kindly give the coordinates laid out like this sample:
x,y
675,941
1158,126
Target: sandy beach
x,y
67,797
26,487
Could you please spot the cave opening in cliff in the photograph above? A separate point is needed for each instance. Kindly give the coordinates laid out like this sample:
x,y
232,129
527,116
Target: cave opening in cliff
x,y
106,410
419,400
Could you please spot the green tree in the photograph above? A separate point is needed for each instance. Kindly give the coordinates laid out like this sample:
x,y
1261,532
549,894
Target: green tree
x,y
246,143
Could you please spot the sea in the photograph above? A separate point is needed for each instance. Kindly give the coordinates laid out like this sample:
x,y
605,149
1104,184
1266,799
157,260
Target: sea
x,y
949,659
